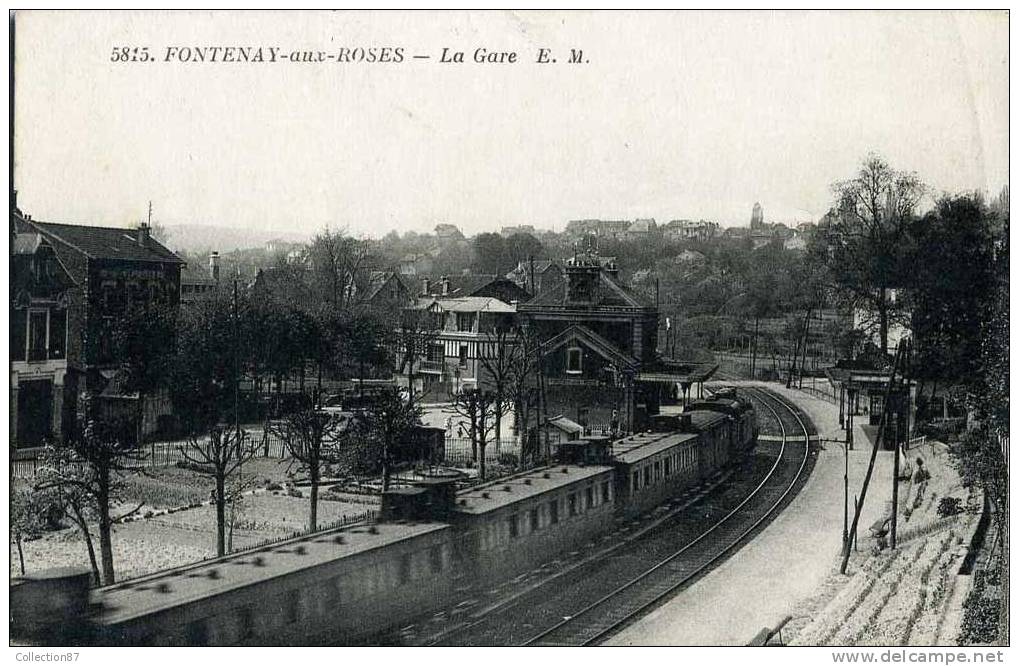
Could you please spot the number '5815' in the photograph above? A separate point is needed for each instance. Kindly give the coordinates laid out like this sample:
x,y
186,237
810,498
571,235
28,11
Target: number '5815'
x,y
130,54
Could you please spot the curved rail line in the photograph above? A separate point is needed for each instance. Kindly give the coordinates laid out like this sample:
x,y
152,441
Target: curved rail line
x,y
604,616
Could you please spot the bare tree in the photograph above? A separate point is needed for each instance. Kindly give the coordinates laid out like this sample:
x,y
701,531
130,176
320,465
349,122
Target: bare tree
x,y
478,406
500,354
219,457
418,330
313,439
866,245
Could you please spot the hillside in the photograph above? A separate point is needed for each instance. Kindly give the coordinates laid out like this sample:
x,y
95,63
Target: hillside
x,y
202,237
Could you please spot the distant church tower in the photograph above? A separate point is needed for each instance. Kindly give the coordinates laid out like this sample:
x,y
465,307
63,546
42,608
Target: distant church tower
x,y
757,217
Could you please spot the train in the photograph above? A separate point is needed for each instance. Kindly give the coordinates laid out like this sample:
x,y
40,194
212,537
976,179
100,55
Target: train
x,y
352,584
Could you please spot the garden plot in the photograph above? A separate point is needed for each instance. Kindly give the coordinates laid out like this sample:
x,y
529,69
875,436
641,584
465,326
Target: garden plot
x,y
184,535
898,597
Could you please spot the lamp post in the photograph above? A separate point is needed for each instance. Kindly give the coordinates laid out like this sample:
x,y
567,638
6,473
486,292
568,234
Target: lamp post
x,y
845,486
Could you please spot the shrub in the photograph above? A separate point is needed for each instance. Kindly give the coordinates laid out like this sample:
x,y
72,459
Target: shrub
x,y
295,492
275,487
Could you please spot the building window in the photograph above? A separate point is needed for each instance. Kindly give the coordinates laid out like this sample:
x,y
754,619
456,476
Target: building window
x,y
647,475
605,497
465,321
19,338
589,494
534,524
636,481
463,356
435,352
553,512
37,335
668,467
58,333
574,360
514,526
572,501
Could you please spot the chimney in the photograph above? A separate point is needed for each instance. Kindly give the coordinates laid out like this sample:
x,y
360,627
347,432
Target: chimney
x,y
444,281
214,266
612,269
143,234
426,286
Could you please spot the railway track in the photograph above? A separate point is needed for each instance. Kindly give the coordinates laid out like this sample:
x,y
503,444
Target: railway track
x,y
586,604
633,598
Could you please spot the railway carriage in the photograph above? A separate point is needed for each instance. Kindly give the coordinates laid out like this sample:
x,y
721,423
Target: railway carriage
x,y
337,585
518,522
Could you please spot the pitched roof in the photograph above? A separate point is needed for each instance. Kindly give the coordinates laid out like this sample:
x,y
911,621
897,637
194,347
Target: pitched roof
x,y
611,294
108,242
603,347
473,304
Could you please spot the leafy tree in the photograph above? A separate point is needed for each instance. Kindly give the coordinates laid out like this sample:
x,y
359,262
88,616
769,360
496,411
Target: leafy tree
x,y
953,286
143,340
387,420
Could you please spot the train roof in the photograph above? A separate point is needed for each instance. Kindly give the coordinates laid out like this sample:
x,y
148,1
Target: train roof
x,y
176,587
645,444
702,419
507,491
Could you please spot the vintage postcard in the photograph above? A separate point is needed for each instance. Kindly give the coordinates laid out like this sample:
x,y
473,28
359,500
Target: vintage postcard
x,y
510,328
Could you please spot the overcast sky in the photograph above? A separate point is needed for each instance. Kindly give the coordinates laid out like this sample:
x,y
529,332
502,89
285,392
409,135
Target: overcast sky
x,y
676,115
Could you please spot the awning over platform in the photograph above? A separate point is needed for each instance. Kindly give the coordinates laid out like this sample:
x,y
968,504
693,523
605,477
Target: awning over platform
x,y
677,372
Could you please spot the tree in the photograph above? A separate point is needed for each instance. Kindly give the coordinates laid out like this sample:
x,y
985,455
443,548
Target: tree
x,y
337,260
313,439
29,507
418,330
88,472
478,406
866,245
521,379
202,370
387,420
143,340
952,291
500,354
220,456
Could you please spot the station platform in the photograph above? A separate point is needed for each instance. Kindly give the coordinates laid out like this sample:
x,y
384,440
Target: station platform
x,y
770,577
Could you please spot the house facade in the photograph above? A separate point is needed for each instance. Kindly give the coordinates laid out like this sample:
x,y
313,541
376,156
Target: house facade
x,y
112,268
596,335
43,391
462,331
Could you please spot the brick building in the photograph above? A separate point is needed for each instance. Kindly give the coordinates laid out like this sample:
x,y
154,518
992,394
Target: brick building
x,y
111,268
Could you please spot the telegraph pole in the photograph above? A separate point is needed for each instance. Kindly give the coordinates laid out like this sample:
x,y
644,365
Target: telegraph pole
x,y
873,454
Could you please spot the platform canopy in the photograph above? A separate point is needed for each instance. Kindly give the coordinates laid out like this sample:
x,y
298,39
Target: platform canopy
x,y
673,371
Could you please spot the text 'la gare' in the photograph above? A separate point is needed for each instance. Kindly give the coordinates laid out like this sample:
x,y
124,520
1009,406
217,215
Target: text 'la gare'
x,y
482,55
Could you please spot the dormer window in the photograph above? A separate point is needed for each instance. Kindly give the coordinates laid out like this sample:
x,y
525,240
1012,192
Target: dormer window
x,y
574,360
